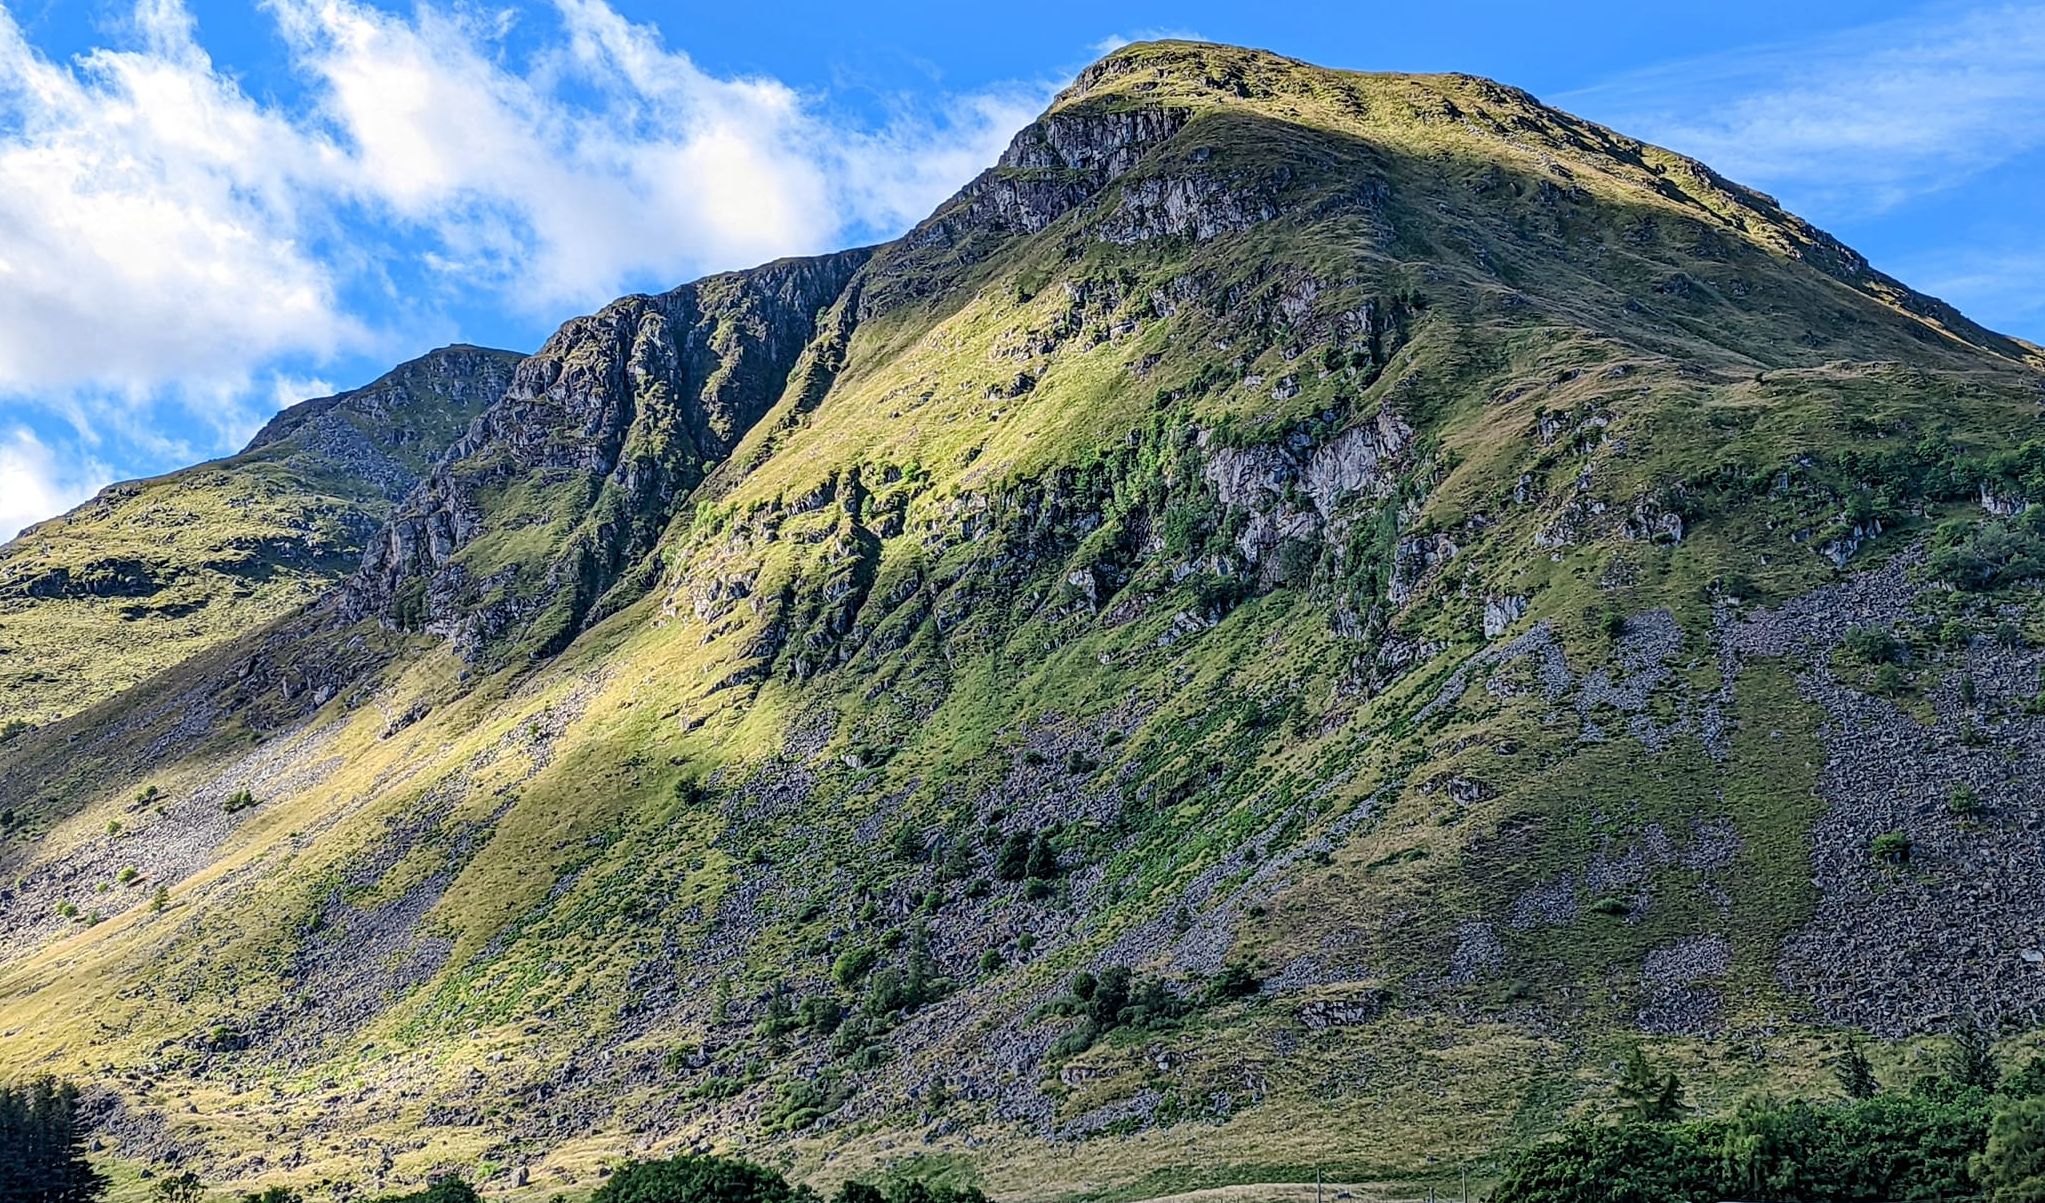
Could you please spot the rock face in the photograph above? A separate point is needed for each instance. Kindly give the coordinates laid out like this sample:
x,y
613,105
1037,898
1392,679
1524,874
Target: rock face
x,y
596,440
389,433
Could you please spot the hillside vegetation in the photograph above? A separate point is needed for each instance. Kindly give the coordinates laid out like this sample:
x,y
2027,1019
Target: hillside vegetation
x,y
1281,629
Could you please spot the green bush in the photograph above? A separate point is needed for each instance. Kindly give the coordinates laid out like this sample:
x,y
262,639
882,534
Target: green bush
x,y
1012,862
699,1180
1979,556
1236,980
1885,1147
1870,645
440,1190
2011,1166
182,1187
1891,681
1891,847
853,964
239,800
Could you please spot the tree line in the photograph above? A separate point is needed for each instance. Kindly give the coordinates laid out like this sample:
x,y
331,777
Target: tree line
x,y
1967,1132
43,1159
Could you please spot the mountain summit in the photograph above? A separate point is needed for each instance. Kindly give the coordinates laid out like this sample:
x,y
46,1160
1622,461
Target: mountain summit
x,y
1295,616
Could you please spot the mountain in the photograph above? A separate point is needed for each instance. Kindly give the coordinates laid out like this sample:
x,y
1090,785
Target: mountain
x,y
150,572
1279,630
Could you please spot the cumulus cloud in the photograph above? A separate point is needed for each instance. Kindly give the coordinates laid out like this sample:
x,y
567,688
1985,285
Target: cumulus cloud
x,y
37,483
171,244
148,219
1856,123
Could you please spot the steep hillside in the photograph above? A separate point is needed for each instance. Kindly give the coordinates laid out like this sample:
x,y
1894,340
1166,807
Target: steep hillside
x,y
1275,630
150,572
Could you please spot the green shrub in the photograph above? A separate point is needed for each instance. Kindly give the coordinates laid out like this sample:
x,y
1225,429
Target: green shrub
x,y
820,1014
1236,980
853,964
1891,847
239,800
182,1187
777,1020
698,1180
1978,556
1885,1147
1043,859
440,1190
2011,1165
1870,645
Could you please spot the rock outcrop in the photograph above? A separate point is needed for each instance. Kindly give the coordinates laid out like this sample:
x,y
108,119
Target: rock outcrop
x,y
599,436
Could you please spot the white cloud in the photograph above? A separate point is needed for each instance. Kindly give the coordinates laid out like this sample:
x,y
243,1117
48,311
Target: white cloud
x,y
148,220
612,158
169,242
1856,123
36,483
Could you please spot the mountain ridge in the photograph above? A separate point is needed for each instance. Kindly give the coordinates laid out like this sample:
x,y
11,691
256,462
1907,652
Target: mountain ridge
x,y
173,564
1403,605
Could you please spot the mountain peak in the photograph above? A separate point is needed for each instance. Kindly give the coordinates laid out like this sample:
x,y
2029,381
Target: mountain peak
x,y
1289,581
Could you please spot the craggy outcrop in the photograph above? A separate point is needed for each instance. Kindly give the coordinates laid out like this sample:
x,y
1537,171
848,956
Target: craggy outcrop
x,y
601,434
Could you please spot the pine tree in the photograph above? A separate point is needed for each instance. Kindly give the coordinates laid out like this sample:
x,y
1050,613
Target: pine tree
x,y
1856,1075
42,1146
1645,1096
1972,1060
1043,862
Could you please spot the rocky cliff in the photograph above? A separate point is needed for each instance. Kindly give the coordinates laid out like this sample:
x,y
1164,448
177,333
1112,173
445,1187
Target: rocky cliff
x,y
558,492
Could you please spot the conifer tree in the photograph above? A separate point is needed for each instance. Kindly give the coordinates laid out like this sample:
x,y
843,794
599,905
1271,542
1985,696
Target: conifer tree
x,y
42,1146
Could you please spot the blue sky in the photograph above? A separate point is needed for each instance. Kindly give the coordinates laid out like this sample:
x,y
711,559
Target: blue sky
x,y
211,208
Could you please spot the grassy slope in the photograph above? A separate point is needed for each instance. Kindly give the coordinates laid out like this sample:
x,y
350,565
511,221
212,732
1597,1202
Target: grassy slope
x,y
152,572
571,832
